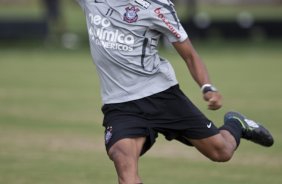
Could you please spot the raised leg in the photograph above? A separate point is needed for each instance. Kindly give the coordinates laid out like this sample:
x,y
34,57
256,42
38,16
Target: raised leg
x,y
219,148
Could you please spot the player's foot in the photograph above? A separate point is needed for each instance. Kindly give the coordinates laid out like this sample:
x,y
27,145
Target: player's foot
x,y
251,130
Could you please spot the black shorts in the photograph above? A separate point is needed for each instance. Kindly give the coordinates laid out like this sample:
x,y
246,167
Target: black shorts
x,y
169,112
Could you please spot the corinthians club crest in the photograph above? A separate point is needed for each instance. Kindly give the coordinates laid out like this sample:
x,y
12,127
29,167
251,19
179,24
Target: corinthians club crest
x,y
130,15
108,134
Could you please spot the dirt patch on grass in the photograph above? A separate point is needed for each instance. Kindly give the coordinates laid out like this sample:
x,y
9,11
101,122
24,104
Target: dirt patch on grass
x,y
51,142
54,142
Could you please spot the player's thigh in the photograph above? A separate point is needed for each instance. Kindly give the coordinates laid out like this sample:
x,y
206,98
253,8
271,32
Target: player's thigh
x,y
127,148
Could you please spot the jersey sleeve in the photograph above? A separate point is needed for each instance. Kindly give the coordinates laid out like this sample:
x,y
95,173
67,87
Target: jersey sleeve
x,y
165,20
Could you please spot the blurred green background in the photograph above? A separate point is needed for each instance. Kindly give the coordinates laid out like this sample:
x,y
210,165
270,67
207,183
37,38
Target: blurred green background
x,y
50,118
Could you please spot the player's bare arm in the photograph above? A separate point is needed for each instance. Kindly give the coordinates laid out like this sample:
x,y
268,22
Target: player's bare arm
x,y
198,71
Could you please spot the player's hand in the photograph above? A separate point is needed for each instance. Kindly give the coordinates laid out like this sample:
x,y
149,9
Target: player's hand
x,y
214,100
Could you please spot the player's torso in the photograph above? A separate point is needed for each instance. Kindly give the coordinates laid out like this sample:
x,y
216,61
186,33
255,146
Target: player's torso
x,y
123,36
122,29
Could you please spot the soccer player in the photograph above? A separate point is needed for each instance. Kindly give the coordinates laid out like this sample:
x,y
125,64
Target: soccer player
x,y
140,92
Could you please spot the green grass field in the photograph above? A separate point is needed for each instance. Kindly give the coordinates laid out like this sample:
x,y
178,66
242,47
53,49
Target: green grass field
x,y
50,119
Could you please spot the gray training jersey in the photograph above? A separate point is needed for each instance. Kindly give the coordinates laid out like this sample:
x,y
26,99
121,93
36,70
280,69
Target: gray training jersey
x,y
124,35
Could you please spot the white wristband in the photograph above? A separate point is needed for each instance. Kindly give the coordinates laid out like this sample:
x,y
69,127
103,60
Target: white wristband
x,y
204,86
208,87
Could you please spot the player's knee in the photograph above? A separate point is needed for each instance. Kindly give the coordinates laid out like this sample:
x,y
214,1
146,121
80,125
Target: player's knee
x,y
220,156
